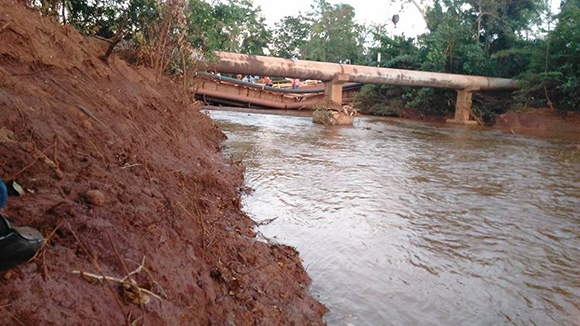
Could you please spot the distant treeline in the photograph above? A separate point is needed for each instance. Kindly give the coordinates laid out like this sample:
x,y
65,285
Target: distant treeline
x,y
519,39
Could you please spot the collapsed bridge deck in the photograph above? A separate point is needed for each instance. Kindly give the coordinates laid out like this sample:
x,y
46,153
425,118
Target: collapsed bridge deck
x,y
230,91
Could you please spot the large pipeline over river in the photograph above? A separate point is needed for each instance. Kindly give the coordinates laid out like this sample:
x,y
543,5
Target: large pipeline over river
x,y
234,63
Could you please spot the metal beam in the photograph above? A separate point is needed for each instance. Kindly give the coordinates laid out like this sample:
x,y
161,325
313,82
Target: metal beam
x,y
258,101
235,63
275,89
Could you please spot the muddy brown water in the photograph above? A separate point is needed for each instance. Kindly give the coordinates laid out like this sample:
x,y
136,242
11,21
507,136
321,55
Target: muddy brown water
x,y
403,223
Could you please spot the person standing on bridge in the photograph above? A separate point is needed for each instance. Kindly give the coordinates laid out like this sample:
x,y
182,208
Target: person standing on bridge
x,y
295,83
268,81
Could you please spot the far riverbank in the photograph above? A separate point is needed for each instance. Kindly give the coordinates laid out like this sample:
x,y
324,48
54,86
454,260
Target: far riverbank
x,y
532,122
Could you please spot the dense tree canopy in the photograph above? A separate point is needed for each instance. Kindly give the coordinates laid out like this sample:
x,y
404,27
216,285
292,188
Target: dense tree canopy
x,y
562,64
510,38
334,35
290,35
325,33
492,38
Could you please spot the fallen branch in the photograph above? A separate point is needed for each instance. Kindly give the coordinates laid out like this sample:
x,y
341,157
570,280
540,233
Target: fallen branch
x,y
118,280
142,266
103,39
96,265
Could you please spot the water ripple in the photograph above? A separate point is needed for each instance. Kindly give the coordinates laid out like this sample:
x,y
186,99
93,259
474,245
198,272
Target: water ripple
x,y
403,223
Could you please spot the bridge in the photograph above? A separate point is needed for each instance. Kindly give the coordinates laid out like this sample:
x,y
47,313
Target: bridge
x,y
338,75
231,91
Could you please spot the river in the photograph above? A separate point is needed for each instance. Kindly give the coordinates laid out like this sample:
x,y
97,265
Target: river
x,y
405,223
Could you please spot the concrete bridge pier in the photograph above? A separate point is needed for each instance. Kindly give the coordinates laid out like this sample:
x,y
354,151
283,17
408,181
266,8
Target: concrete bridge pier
x,y
463,107
333,88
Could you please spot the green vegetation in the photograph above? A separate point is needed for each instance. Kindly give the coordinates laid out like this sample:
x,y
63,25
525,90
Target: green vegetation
x,y
167,35
512,38
555,64
322,115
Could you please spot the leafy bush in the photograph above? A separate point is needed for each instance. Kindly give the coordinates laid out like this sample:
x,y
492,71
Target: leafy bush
x,y
553,75
378,100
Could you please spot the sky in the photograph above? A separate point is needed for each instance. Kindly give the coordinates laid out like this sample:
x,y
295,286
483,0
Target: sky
x,y
410,23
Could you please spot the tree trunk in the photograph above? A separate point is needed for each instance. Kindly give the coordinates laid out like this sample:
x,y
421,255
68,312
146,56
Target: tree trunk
x,y
118,38
479,16
184,73
421,10
63,12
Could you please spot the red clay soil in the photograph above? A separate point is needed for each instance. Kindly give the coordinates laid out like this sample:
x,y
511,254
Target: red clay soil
x,y
541,120
162,194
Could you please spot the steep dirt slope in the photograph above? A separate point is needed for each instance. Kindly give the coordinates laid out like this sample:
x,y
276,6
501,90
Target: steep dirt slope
x,y
70,123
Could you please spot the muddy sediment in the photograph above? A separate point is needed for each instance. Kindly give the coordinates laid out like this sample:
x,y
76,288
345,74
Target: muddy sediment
x,y
540,120
120,173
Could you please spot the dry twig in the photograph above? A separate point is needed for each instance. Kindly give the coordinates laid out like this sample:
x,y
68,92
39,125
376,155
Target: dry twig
x,y
12,315
4,27
142,266
118,280
96,265
131,289
31,164
148,172
98,152
130,166
201,223
42,251
91,115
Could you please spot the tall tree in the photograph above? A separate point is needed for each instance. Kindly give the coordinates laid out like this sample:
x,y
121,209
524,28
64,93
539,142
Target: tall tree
x,y
556,62
238,27
334,35
290,35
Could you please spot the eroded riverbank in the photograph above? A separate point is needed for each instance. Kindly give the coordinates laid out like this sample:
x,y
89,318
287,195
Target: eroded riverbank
x,y
165,209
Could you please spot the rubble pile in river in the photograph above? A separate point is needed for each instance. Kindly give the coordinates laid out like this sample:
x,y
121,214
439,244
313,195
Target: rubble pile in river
x,y
333,114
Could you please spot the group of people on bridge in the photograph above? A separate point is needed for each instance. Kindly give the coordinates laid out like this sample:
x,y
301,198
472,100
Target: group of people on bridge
x,y
266,81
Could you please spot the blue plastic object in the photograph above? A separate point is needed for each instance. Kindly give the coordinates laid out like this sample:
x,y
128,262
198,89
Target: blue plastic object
x,y
3,193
